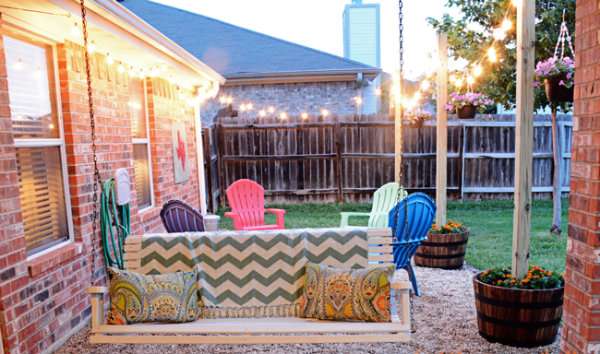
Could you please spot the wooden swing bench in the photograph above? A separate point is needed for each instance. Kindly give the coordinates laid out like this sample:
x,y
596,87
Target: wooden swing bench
x,y
270,330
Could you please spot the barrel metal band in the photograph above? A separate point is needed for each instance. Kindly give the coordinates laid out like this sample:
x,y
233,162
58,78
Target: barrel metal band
x,y
513,323
529,305
445,256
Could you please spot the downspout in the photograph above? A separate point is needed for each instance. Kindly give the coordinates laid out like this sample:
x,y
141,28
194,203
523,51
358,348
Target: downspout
x,y
200,158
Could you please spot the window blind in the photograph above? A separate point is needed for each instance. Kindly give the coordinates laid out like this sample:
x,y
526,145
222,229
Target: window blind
x,y
42,197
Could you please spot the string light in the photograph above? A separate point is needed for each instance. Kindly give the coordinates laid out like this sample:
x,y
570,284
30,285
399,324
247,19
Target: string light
x,y
249,106
109,59
75,30
283,116
324,113
491,54
470,80
50,126
477,70
229,100
358,100
271,109
91,47
243,107
304,116
452,78
121,68
458,83
425,85
507,24
378,92
516,3
499,34
262,113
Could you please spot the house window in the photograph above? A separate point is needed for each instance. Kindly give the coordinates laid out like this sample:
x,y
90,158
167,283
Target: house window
x,y
40,146
141,144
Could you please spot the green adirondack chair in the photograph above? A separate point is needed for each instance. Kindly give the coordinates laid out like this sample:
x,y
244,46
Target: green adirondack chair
x,y
384,200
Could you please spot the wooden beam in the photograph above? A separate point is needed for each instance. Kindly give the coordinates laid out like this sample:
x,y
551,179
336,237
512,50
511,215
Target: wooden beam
x,y
523,136
441,159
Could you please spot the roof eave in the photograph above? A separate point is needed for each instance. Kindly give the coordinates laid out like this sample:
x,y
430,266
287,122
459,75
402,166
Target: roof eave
x,y
301,76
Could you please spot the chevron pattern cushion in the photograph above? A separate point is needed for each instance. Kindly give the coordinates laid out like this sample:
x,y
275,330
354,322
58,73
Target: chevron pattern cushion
x,y
347,295
252,273
138,298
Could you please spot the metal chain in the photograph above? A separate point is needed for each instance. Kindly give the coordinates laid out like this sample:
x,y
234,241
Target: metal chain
x,y
97,179
401,78
562,36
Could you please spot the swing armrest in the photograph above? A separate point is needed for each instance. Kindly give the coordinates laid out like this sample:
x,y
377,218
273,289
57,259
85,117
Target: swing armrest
x,y
97,301
402,292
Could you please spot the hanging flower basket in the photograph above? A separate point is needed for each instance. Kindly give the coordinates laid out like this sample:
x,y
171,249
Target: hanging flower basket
x,y
444,248
466,105
466,112
520,313
557,76
555,91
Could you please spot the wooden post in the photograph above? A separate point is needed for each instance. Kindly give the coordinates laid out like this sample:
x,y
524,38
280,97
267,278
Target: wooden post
x,y
200,159
337,131
220,161
441,156
523,137
556,178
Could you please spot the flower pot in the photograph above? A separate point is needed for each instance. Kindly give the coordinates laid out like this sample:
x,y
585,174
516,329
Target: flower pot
x,y
557,93
446,251
518,317
466,112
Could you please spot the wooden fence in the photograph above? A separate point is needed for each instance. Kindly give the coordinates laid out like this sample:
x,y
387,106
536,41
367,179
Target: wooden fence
x,y
347,159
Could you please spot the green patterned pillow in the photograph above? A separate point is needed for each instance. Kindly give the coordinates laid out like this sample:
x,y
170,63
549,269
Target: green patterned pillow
x,y
138,298
346,295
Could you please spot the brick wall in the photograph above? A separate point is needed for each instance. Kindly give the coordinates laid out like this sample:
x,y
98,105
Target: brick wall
x,y
294,99
43,300
581,319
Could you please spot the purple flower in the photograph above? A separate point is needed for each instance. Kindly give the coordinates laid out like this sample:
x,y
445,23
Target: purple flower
x,y
457,101
553,67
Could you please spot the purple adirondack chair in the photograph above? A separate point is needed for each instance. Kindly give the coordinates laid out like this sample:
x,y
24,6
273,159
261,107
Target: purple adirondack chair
x,y
177,216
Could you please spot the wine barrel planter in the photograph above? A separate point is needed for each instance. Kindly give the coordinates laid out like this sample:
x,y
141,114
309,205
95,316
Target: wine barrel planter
x,y
557,93
466,112
446,251
518,317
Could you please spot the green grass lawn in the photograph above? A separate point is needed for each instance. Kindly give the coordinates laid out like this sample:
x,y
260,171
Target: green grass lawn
x,y
490,223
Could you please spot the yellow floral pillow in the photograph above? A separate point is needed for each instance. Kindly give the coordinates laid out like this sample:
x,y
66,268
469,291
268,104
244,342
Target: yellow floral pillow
x,y
138,298
347,295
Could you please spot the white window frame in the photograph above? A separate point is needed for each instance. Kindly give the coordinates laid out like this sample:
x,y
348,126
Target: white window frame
x,y
146,140
49,142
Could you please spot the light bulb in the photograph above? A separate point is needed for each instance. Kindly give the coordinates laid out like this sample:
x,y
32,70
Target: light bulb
x,y
121,68
229,100
109,59
91,47
507,24
222,100
425,85
470,80
324,112
491,54
271,109
243,107
452,78
499,34
458,83
75,30
377,92
358,100
18,65
477,70
262,113
304,116
249,106
50,126
516,3
283,116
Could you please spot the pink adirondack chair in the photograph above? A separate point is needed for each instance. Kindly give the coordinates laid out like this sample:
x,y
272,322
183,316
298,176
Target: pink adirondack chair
x,y
247,201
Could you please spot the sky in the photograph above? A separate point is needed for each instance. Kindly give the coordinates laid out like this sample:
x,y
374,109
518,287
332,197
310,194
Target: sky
x,y
318,24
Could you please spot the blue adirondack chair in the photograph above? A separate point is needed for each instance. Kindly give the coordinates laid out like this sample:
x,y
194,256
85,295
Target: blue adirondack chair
x,y
410,221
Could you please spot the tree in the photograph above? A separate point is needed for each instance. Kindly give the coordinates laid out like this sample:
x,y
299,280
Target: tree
x,y
470,35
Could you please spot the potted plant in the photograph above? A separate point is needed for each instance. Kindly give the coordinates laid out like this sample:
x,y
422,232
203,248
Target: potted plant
x,y
557,76
417,119
466,105
519,312
445,247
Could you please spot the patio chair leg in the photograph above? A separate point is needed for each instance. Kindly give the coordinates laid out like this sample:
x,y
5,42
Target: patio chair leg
x,y
413,279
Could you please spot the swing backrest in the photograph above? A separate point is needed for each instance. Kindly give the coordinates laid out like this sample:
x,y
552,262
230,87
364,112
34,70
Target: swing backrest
x,y
420,210
178,216
384,200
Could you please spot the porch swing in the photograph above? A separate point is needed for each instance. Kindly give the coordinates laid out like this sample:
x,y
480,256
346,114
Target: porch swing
x,y
237,330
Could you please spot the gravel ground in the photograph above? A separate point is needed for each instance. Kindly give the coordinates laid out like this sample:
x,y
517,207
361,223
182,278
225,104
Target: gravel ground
x,y
443,318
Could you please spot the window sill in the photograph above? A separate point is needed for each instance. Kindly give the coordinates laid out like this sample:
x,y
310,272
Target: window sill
x,y
52,259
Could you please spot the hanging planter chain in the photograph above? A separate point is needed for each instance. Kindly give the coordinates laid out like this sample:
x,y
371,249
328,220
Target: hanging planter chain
x,y
97,179
563,35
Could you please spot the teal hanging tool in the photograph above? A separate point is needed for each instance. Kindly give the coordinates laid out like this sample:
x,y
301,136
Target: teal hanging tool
x,y
115,218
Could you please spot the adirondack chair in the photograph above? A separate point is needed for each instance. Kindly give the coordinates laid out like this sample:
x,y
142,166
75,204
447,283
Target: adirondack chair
x,y
247,201
177,216
384,200
410,221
